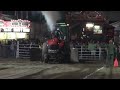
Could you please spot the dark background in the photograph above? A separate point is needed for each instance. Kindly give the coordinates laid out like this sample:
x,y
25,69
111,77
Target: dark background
x,y
37,16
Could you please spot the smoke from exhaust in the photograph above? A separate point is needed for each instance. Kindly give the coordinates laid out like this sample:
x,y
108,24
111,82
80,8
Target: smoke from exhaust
x,y
51,18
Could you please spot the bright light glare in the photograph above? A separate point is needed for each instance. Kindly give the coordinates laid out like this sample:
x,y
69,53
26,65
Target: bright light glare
x,y
63,25
97,31
16,29
11,35
58,29
97,27
20,35
26,30
2,36
83,29
89,25
67,24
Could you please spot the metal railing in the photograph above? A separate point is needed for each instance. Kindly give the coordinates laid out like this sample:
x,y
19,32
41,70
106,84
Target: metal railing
x,y
23,50
85,54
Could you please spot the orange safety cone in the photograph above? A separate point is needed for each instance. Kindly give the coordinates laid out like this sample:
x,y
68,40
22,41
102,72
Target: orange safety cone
x,y
116,63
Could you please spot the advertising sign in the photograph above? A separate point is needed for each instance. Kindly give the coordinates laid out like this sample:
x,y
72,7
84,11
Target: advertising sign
x,y
15,26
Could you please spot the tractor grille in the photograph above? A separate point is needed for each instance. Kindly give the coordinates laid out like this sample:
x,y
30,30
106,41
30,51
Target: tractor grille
x,y
53,47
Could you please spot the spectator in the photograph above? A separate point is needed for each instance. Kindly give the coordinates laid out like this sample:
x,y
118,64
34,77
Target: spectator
x,y
111,53
118,52
12,48
92,48
104,50
98,48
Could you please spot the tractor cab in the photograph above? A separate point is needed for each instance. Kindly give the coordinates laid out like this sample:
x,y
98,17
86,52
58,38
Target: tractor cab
x,y
63,29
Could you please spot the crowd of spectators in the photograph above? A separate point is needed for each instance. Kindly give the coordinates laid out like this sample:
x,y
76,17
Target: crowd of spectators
x,y
8,48
92,47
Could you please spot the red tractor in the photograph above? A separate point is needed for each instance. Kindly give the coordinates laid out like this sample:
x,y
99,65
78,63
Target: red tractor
x,y
56,49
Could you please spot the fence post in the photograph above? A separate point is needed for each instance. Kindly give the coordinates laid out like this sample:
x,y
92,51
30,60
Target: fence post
x,y
30,45
17,50
99,53
81,52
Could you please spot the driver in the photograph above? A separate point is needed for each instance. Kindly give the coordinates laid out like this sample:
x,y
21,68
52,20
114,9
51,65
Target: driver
x,y
57,34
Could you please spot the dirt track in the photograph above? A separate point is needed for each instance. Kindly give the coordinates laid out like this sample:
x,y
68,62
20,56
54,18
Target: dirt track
x,y
25,69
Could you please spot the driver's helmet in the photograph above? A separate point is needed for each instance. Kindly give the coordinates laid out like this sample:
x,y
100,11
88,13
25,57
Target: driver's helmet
x,y
55,32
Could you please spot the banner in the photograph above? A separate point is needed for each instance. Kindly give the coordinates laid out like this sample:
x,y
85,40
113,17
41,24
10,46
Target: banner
x,y
15,26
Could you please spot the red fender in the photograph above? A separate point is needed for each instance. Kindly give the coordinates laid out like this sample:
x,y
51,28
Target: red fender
x,y
61,44
53,41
